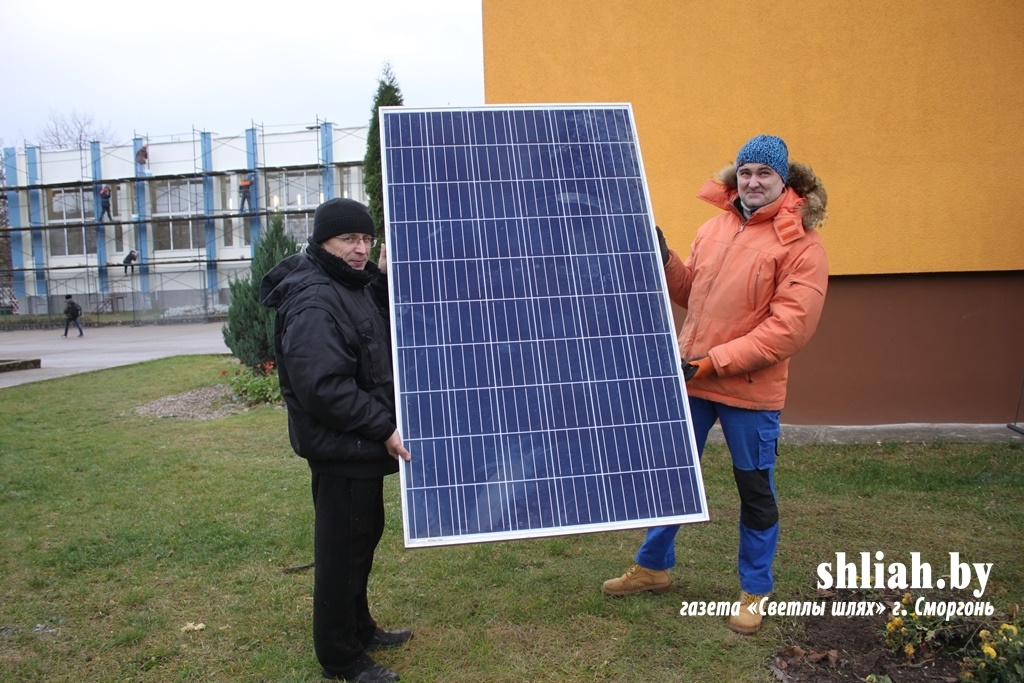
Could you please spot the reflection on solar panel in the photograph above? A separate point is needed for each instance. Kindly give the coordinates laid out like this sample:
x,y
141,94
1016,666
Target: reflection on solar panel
x,y
535,358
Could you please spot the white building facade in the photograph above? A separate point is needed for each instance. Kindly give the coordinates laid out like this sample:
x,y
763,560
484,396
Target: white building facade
x,y
193,210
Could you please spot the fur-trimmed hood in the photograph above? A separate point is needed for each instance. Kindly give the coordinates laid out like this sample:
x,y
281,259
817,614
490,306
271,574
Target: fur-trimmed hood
x,y
803,181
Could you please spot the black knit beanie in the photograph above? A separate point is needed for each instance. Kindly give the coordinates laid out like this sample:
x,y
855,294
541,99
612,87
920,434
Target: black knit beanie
x,y
339,216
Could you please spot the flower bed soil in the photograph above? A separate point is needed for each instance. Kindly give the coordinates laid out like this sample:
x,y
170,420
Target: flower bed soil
x,y
829,649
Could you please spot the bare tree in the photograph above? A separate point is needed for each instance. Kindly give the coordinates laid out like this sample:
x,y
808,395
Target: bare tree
x,y
5,234
73,131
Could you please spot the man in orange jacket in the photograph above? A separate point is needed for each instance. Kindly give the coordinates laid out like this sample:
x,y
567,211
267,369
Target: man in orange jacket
x,y
753,285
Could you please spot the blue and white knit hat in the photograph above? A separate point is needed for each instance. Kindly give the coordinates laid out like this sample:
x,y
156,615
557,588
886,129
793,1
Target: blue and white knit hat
x,y
768,150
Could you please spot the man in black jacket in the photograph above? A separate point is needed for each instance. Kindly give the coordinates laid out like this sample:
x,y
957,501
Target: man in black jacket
x,y
333,348
72,311
130,260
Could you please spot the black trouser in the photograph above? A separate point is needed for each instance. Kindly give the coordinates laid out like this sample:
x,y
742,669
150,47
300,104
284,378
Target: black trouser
x,y
349,524
68,322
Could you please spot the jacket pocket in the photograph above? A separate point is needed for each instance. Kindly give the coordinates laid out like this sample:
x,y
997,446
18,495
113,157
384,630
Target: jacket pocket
x,y
768,446
762,284
371,357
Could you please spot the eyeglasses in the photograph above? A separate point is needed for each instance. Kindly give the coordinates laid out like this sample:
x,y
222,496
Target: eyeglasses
x,y
353,240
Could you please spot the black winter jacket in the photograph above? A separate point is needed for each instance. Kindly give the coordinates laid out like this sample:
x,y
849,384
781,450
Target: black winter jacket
x,y
332,341
72,310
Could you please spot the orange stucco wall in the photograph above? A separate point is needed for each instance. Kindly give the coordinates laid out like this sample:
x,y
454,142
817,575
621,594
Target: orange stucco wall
x,y
911,112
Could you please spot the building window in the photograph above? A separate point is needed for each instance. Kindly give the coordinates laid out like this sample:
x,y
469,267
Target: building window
x,y
352,186
115,214
296,193
225,227
299,226
178,233
70,207
177,196
127,190
176,202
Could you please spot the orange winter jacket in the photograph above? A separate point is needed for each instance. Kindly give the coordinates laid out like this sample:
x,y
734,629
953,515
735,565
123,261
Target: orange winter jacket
x,y
753,290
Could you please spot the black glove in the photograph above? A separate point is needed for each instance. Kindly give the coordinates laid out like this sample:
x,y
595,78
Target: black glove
x,y
663,245
698,367
689,370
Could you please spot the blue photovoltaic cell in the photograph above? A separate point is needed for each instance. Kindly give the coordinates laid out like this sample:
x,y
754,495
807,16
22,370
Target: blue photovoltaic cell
x,y
536,369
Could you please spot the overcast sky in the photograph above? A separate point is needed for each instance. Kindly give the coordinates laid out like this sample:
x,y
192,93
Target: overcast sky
x,y
158,69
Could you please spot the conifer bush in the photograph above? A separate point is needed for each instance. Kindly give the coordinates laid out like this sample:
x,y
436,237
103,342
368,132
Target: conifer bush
x,y
388,95
249,332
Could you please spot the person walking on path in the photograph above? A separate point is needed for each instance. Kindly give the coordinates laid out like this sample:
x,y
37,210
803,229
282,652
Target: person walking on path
x,y
72,312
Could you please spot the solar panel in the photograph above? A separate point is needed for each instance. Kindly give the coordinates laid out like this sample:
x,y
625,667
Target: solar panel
x,y
536,369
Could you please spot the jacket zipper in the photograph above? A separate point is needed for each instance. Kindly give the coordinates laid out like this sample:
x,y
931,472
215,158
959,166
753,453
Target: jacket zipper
x,y
693,335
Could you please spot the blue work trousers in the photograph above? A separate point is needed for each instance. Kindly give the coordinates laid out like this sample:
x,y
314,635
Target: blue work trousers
x,y
752,437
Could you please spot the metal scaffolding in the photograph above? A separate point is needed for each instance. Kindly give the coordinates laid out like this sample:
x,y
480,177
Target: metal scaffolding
x,y
187,223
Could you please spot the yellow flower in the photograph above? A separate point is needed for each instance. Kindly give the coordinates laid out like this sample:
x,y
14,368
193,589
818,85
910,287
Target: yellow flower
x,y
906,598
908,650
1009,628
984,634
893,624
989,651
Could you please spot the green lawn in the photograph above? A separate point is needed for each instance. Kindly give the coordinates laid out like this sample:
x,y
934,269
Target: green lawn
x,y
121,529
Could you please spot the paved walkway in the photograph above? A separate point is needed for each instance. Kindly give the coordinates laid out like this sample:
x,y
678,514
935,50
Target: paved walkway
x,y
103,347
106,347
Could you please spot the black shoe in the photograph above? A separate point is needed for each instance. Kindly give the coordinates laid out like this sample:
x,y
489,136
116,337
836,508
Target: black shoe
x,y
365,670
386,640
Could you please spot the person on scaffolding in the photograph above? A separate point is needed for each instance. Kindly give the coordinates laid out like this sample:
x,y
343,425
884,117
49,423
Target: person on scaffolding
x,y
142,157
244,188
130,260
105,203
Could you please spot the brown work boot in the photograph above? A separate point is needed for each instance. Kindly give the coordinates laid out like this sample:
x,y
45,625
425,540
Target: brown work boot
x,y
747,622
636,580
